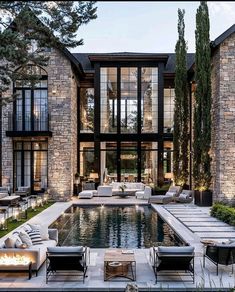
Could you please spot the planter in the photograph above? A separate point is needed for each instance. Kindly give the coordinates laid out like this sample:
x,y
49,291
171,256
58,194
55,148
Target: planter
x,y
203,198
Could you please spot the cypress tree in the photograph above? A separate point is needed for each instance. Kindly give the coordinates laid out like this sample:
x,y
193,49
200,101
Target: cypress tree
x,y
202,109
181,111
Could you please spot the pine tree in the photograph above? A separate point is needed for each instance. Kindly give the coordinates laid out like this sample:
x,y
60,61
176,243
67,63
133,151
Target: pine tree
x,y
27,27
181,111
202,110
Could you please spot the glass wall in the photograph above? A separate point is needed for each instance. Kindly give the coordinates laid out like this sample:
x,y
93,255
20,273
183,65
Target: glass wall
x,y
129,161
149,100
87,158
108,162
87,104
30,165
129,118
149,162
168,161
108,100
169,102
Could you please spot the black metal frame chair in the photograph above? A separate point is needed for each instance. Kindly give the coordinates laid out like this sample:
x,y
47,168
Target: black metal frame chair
x,y
173,262
220,255
59,262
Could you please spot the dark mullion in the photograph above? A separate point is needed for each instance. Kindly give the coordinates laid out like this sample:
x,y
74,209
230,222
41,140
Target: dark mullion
x,y
97,102
22,165
32,110
139,101
118,161
160,98
139,161
23,110
118,101
126,112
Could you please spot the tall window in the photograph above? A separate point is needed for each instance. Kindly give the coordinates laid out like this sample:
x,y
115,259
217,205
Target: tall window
x,y
87,110
169,102
30,165
129,118
87,158
149,100
31,104
108,101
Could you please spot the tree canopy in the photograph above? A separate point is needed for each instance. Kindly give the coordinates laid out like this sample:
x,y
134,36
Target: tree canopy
x,y
27,28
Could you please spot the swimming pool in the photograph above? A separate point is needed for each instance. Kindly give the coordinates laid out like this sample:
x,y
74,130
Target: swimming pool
x,y
114,226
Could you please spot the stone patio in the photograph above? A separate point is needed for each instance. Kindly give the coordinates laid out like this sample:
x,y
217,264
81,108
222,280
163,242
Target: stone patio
x,y
204,278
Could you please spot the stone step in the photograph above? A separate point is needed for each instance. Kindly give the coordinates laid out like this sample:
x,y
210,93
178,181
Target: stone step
x,y
212,229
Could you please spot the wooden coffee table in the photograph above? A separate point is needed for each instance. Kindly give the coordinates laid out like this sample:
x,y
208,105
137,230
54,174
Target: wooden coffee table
x,y
119,264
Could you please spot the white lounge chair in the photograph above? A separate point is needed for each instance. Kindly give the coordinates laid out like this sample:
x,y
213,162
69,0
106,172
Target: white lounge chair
x,y
145,194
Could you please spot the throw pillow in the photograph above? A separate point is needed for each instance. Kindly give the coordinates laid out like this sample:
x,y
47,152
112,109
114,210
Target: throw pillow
x,y
35,237
43,230
10,242
26,239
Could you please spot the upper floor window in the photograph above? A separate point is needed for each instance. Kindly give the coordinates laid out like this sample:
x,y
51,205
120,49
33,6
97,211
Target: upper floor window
x,y
169,102
87,110
31,105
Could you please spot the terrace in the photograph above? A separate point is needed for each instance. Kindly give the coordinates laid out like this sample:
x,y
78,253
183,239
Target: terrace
x,y
178,216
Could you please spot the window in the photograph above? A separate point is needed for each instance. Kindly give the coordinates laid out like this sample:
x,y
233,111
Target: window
x,y
149,100
108,100
129,118
30,165
31,105
87,110
169,102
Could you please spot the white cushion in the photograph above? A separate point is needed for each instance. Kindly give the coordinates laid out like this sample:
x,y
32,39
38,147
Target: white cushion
x,y
25,238
43,228
170,194
183,196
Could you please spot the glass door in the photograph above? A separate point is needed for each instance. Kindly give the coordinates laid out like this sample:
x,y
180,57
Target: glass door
x,y
129,158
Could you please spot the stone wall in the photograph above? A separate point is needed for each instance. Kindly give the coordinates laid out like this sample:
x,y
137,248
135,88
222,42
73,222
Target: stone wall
x,y
62,146
223,120
62,152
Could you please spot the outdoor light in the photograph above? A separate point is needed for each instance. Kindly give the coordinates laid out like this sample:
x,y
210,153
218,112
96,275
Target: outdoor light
x,y
94,175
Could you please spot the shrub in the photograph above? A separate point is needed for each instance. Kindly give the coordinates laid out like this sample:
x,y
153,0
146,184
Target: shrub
x,y
223,213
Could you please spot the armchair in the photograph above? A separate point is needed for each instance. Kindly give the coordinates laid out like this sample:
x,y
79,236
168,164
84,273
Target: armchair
x,y
174,259
69,258
145,195
220,254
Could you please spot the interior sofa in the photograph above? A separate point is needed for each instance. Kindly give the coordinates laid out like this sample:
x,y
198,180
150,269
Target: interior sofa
x,y
36,253
131,188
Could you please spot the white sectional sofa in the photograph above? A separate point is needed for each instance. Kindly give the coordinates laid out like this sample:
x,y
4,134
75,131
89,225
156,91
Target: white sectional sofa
x,y
131,188
36,253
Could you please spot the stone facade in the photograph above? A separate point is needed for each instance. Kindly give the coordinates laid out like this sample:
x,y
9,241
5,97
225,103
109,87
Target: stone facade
x,y
62,146
223,120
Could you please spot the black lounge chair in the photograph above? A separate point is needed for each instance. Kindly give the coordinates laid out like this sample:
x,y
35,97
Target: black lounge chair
x,y
62,259
220,254
174,260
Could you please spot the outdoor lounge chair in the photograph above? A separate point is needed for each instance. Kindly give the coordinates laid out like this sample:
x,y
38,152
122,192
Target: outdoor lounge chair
x,y
186,196
170,196
220,254
174,260
61,259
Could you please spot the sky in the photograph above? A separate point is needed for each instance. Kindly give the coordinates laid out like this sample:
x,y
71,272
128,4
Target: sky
x,y
150,27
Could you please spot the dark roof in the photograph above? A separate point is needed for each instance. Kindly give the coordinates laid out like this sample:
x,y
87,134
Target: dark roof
x,y
223,36
84,60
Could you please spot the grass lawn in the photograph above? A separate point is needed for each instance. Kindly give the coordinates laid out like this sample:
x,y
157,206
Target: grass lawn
x,y
14,224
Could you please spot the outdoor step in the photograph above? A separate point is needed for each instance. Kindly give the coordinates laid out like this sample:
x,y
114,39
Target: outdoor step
x,y
216,234
209,219
212,229
207,224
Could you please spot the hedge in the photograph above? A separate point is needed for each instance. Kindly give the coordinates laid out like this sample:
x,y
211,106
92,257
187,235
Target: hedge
x,y
223,213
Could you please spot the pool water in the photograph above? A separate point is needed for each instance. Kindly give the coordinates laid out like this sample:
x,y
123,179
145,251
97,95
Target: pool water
x,y
117,227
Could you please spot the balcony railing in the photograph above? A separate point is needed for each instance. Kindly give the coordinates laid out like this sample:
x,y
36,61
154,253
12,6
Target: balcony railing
x,y
28,123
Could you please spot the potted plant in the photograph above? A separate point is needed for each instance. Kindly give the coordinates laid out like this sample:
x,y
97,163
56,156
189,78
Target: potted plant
x,y
202,110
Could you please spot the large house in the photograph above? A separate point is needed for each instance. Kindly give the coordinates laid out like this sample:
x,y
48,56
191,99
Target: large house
x,y
111,115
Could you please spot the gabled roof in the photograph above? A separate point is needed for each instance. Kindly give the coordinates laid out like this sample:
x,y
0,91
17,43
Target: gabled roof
x,y
223,36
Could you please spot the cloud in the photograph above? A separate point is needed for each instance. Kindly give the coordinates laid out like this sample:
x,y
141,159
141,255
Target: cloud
x,y
225,8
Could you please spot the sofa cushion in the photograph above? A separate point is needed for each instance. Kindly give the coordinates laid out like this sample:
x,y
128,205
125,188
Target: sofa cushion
x,y
43,229
176,249
65,249
25,238
10,242
35,237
